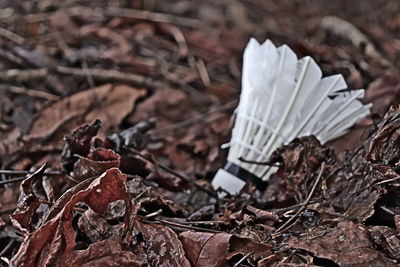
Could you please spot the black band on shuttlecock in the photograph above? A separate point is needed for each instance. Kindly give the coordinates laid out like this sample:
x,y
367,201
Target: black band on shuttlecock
x,y
245,175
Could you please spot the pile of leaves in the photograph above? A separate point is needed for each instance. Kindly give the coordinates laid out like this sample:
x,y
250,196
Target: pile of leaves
x,y
112,114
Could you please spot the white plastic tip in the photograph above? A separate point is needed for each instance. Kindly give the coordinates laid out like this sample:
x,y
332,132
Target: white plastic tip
x,y
227,182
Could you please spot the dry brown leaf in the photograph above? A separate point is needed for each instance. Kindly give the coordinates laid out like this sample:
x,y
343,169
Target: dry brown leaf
x,y
163,245
208,249
108,103
95,163
54,242
28,203
109,252
388,239
347,244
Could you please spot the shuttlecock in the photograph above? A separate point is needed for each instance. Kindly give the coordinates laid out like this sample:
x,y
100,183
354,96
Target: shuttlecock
x,y
283,98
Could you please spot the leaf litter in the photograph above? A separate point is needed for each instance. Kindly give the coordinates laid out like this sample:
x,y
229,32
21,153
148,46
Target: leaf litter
x,y
112,117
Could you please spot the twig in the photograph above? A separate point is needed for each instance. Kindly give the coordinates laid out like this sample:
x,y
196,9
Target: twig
x,y
12,36
179,39
288,257
154,16
120,12
188,226
242,259
196,94
102,75
165,168
304,204
108,75
203,73
32,93
192,121
294,206
13,180
202,222
16,75
7,55
7,247
387,210
378,183
19,179
387,181
350,32
153,214
88,74
12,172
259,163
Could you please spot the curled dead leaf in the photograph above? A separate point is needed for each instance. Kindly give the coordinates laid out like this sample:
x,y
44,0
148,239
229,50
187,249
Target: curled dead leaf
x,y
53,243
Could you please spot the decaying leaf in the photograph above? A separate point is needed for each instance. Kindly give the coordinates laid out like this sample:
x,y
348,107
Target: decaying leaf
x,y
387,239
163,245
108,103
346,244
207,249
28,203
95,163
78,143
54,242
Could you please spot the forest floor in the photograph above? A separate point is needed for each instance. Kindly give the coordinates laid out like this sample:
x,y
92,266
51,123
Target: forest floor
x,y
112,117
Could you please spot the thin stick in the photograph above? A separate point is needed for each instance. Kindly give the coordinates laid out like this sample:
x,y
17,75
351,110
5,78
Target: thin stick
x,y
120,12
242,259
32,93
188,226
7,55
203,73
108,75
378,183
387,181
202,222
165,168
102,75
13,180
6,248
12,36
259,163
11,172
195,120
303,206
19,179
153,214
294,206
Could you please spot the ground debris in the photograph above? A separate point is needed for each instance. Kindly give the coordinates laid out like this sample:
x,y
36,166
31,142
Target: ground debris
x,y
125,104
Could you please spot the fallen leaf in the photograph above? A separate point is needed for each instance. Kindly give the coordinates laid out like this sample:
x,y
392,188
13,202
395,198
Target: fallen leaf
x,y
28,203
163,246
54,242
78,143
388,239
347,244
208,249
108,103
95,163
109,252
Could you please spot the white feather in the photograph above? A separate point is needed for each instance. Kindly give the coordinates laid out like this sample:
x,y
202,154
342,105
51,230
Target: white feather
x,y
283,98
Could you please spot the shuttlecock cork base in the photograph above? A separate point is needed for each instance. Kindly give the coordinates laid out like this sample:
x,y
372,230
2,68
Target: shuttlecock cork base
x,y
283,98
235,177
